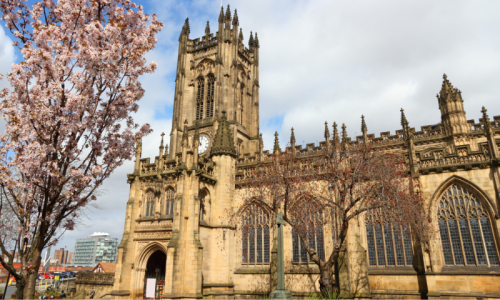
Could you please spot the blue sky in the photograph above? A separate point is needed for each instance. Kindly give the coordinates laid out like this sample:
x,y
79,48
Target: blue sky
x,y
323,61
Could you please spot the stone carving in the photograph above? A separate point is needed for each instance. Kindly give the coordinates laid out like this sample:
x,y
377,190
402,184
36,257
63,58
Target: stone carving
x,y
153,234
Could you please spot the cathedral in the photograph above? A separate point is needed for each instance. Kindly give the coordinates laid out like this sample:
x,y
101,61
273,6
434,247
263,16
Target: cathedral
x,y
176,230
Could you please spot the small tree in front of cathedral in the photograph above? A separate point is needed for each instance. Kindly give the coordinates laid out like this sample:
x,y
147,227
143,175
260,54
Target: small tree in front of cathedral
x,y
322,191
68,115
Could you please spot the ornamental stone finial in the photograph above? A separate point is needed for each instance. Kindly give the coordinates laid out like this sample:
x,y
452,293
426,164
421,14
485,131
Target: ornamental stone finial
x,y
276,149
364,129
327,132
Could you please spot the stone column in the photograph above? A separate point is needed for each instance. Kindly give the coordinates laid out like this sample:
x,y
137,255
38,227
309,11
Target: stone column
x,y
280,292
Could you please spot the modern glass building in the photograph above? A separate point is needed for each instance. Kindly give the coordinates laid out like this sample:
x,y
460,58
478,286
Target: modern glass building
x,y
96,248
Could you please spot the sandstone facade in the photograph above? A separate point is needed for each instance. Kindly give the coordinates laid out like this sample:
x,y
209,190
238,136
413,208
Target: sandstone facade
x,y
179,203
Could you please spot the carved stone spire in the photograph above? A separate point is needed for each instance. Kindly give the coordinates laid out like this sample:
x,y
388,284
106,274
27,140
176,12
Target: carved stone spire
x,y
327,132
364,129
452,109
261,144
228,14
221,15
223,142
161,145
344,133
486,121
166,150
292,138
490,136
184,141
235,19
276,149
404,122
207,29
256,42
335,134
250,40
241,36
185,29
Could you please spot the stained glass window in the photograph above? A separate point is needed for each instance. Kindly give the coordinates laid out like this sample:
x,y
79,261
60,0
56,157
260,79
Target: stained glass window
x,y
169,203
388,245
464,224
255,237
313,231
200,98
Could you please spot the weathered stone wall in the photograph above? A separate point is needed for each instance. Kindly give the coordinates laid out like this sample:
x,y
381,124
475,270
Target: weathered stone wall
x,y
101,282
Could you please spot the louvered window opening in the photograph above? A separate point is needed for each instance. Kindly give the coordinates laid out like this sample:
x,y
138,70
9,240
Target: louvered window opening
x,y
255,237
150,204
388,245
465,229
200,98
169,203
315,239
210,96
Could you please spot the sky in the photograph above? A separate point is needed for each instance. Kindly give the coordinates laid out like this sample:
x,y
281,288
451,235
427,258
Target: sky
x,y
320,61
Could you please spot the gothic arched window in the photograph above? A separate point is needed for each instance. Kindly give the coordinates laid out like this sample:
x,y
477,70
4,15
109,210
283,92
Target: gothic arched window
x,y
388,244
150,204
255,236
242,95
203,205
313,229
465,229
200,98
210,96
169,201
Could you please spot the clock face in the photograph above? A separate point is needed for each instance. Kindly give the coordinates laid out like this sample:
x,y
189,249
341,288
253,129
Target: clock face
x,y
202,148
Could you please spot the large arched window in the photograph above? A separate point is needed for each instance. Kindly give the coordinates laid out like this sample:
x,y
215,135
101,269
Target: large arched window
x,y
465,229
150,204
255,236
312,227
388,244
200,98
169,201
210,95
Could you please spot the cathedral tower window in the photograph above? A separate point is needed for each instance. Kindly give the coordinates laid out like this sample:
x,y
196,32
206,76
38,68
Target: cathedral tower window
x,y
210,95
150,204
465,229
242,101
313,229
388,244
203,205
200,98
255,236
169,201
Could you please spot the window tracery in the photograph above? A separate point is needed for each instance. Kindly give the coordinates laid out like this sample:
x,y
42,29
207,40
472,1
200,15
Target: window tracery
x,y
465,229
150,204
255,236
389,244
314,231
210,96
169,201
200,98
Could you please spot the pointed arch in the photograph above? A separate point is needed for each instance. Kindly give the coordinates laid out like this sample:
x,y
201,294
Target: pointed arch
x,y
477,191
255,234
466,225
169,201
210,95
205,201
200,97
149,202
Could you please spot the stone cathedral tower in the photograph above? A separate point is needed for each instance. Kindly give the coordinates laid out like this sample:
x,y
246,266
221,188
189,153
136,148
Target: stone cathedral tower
x,y
215,74
176,202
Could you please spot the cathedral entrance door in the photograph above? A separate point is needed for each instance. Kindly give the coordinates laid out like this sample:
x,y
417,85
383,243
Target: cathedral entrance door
x,y
155,269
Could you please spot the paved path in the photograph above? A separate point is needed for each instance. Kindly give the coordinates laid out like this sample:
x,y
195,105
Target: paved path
x,y
46,282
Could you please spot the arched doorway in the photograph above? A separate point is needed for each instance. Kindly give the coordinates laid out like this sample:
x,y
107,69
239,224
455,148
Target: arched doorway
x,y
155,268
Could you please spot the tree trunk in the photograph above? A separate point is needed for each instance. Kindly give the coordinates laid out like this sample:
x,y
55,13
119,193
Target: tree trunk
x,y
20,284
326,285
31,284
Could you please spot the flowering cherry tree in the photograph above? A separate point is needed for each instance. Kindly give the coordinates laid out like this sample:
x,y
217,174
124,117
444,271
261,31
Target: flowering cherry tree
x,y
323,191
68,113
